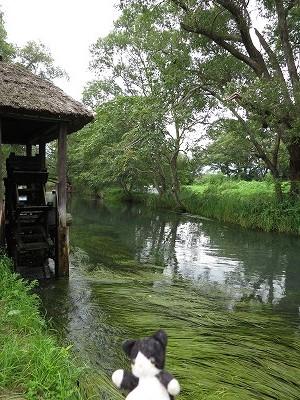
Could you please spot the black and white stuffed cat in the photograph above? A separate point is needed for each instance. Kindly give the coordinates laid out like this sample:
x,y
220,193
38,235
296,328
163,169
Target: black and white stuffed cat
x,y
147,381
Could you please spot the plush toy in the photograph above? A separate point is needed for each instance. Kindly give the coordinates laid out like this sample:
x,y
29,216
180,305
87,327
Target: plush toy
x,y
147,381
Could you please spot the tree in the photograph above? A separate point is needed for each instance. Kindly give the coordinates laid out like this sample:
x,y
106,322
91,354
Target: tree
x,y
257,83
271,97
37,58
34,56
7,50
146,56
121,147
229,152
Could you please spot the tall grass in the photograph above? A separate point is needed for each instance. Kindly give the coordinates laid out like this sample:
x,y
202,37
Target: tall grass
x,y
32,365
249,204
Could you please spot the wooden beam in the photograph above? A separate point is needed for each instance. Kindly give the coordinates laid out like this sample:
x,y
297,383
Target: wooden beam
x,y
62,174
42,153
63,234
32,117
44,136
28,150
2,216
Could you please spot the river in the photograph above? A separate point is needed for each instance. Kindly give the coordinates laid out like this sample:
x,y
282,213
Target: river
x,y
228,298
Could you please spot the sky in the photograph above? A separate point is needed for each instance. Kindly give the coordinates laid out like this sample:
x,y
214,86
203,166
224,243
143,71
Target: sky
x,y
67,27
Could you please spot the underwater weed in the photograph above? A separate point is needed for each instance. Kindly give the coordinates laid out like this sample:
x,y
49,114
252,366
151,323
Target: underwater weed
x,y
246,352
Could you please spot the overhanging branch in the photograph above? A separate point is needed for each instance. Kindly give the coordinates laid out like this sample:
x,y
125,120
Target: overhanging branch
x,y
256,144
224,44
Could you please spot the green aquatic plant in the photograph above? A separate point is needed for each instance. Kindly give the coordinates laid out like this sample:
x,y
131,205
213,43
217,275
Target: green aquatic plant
x,y
223,343
97,385
219,348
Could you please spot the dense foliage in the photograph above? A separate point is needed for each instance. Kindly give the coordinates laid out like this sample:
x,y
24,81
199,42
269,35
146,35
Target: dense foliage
x,y
221,71
145,68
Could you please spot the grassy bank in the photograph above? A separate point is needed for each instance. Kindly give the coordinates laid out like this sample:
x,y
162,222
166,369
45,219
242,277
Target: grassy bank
x,y
32,365
249,204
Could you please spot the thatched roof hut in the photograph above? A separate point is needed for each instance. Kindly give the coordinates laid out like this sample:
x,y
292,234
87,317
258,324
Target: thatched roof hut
x,y
32,109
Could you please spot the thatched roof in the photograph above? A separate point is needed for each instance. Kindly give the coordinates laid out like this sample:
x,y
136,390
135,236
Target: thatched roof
x,y
23,93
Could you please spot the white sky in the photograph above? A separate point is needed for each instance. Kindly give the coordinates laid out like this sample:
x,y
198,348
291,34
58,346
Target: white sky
x,y
66,27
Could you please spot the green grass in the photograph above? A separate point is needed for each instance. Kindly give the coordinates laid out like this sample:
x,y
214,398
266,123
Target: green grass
x,y
251,204
114,195
32,365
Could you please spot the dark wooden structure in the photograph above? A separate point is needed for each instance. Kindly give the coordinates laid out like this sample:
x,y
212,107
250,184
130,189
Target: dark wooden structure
x,y
30,228
34,112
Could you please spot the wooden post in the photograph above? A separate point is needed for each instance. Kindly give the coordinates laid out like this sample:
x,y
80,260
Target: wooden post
x,y
28,150
63,234
42,153
2,216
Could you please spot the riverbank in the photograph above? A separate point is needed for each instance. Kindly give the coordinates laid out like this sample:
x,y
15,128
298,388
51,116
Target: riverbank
x,y
32,365
250,204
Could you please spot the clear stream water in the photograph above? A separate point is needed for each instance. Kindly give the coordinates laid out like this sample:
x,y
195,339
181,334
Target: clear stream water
x,y
229,298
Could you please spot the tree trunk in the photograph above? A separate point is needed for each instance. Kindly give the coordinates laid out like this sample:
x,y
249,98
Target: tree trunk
x,y
160,182
175,181
294,153
174,168
163,183
126,187
278,190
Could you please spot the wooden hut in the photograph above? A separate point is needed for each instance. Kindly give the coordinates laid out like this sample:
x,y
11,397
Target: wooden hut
x,y
33,112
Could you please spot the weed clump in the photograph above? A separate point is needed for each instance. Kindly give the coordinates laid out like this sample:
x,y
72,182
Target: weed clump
x,y
32,365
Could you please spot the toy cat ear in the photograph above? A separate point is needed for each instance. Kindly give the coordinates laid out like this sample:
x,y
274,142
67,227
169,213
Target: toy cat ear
x,y
128,345
162,337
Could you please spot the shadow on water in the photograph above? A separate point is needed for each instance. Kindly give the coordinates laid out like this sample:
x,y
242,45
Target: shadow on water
x,y
229,298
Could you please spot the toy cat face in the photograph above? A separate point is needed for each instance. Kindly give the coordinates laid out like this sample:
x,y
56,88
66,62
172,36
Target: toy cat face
x,y
147,355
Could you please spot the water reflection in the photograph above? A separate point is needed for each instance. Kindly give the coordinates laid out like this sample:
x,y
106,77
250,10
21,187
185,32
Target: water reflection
x,y
124,262
249,264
